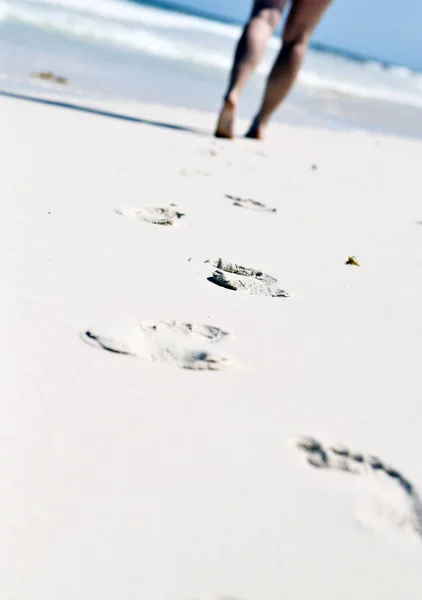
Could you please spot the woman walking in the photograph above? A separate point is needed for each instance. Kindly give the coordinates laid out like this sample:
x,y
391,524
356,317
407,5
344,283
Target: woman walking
x,y
303,17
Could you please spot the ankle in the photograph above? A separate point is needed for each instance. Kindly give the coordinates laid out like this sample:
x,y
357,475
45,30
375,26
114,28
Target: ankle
x,y
257,129
231,100
260,122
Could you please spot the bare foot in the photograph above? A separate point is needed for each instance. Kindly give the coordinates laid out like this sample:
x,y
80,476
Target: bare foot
x,y
256,130
225,125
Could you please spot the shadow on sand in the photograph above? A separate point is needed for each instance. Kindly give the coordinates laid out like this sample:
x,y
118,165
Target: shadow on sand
x,y
103,113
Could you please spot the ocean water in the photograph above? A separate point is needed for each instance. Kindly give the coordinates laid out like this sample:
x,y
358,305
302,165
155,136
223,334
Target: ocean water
x,y
127,50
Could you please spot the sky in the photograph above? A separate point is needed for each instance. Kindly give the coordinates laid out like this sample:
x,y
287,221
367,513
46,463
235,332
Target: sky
x,y
385,29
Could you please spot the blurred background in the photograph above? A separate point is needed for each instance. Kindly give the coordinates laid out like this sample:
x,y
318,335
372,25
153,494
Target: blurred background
x,y
364,69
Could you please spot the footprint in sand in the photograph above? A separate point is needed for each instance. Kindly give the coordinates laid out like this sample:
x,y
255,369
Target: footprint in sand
x,y
157,216
251,280
398,503
249,203
184,345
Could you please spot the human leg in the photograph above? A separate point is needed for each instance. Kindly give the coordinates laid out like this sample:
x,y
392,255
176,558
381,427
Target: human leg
x,y
303,18
262,23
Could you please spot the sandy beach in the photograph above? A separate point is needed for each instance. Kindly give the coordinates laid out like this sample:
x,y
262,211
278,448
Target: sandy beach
x,y
173,465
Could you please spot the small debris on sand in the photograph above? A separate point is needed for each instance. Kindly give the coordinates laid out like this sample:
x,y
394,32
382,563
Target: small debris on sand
x,y
50,76
352,260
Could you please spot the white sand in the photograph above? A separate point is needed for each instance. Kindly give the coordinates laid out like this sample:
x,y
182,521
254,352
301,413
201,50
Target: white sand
x,y
122,478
